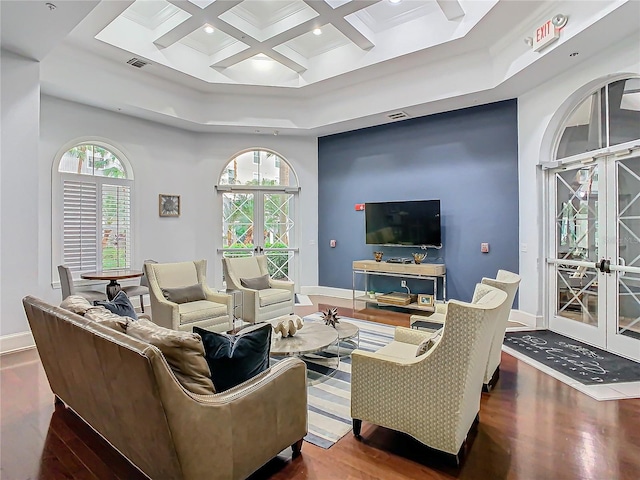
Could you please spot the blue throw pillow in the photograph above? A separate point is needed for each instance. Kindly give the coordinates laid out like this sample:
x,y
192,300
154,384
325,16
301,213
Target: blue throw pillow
x,y
234,359
120,305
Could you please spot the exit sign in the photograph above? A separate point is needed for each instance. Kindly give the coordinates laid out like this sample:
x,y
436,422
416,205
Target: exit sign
x,y
545,35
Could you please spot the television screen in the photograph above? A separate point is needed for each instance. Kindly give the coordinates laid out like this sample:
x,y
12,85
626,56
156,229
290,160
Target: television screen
x,y
403,223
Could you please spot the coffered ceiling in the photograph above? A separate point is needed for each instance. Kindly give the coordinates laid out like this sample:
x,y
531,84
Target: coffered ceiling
x,y
257,66
286,43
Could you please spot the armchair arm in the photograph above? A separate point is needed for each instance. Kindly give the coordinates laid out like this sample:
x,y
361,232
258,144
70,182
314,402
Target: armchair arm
x,y
441,308
223,298
165,313
283,284
411,335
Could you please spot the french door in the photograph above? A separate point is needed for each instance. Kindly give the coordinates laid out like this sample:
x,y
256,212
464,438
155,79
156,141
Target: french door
x,y
594,259
261,221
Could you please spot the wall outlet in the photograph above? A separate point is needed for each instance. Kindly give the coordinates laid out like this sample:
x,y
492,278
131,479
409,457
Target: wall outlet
x,y
403,283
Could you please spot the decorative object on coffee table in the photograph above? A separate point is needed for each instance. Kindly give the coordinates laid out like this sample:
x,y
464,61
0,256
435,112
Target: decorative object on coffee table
x,y
169,205
378,256
288,326
330,317
418,257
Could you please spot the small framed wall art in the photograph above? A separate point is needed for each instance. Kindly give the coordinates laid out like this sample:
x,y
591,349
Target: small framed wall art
x,y
425,300
169,205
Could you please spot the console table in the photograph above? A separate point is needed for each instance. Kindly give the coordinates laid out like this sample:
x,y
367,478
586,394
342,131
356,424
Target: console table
x,y
423,271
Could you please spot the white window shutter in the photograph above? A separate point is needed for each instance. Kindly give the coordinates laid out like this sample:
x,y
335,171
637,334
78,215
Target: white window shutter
x,y
116,226
80,224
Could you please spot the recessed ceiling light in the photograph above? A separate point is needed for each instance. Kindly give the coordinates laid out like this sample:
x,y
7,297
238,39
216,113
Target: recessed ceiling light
x,y
209,29
395,1
317,31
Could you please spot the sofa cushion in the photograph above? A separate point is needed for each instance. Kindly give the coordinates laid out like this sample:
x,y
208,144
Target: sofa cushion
x,y
200,310
100,314
189,293
257,283
273,296
234,359
120,305
183,351
76,304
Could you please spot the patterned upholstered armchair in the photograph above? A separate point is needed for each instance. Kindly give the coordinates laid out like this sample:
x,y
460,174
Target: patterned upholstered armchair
x,y
507,282
258,304
183,309
434,397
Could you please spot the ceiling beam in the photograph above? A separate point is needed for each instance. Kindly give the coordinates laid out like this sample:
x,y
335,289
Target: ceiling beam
x,y
451,9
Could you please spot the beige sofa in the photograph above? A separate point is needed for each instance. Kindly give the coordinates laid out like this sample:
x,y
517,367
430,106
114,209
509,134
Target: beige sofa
x,y
125,389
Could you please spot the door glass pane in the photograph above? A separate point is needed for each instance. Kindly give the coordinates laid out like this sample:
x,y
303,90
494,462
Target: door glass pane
x,y
629,246
584,131
577,239
624,111
237,220
278,232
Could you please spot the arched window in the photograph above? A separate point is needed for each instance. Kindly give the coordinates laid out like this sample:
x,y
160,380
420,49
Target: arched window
x,y
95,209
258,167
609,116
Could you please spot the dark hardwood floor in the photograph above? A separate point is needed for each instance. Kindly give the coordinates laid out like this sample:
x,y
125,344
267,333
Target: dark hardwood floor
x,y
531,427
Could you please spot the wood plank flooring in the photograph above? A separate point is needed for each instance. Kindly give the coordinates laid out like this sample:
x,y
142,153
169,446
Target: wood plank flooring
x,y
531,427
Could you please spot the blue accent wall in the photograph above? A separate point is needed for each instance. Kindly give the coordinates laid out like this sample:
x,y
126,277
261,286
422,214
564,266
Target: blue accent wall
x,y
466,158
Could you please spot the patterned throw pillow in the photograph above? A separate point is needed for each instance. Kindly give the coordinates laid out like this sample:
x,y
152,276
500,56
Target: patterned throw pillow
x,y
105,317
76,304
190,293
120,305
234,359
257,283
427,344
183,351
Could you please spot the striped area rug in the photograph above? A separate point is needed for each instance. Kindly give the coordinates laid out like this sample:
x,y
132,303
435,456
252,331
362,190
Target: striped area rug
x,y
329,394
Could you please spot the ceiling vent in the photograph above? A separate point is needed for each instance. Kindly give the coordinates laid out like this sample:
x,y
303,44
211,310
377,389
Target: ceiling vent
x,y
397,115
136,62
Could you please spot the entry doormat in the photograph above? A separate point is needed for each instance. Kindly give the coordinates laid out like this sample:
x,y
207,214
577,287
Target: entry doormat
x,y
583,363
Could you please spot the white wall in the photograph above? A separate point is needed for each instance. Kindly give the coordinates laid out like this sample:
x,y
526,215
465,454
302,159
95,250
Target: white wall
x,y
539,113
19,188
164,159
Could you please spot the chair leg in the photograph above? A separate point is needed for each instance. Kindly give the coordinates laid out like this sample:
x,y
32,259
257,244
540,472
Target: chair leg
x,y
297,448
357,426
487,387
141,304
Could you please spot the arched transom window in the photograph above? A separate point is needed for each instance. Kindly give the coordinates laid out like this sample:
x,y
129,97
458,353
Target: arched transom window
x,y
95,203
258,167
609,116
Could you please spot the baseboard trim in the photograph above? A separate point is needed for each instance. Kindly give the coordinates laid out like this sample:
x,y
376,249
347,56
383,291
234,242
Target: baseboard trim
x,y
528,319
16,342
329,291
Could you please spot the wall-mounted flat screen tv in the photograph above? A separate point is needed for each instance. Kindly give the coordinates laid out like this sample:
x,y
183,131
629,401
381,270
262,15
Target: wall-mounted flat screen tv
x,y
407,223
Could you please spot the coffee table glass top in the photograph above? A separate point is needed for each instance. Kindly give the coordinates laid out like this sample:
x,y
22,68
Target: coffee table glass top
x,y
311,338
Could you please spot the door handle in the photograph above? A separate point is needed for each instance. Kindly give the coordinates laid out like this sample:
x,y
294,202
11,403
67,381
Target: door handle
x,y
604,265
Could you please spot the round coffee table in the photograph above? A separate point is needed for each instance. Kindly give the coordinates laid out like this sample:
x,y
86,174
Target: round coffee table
x,y
311,338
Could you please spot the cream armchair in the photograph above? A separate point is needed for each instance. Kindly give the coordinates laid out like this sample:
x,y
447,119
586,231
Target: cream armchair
x,y
213,312
507,282
258,305
434,397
